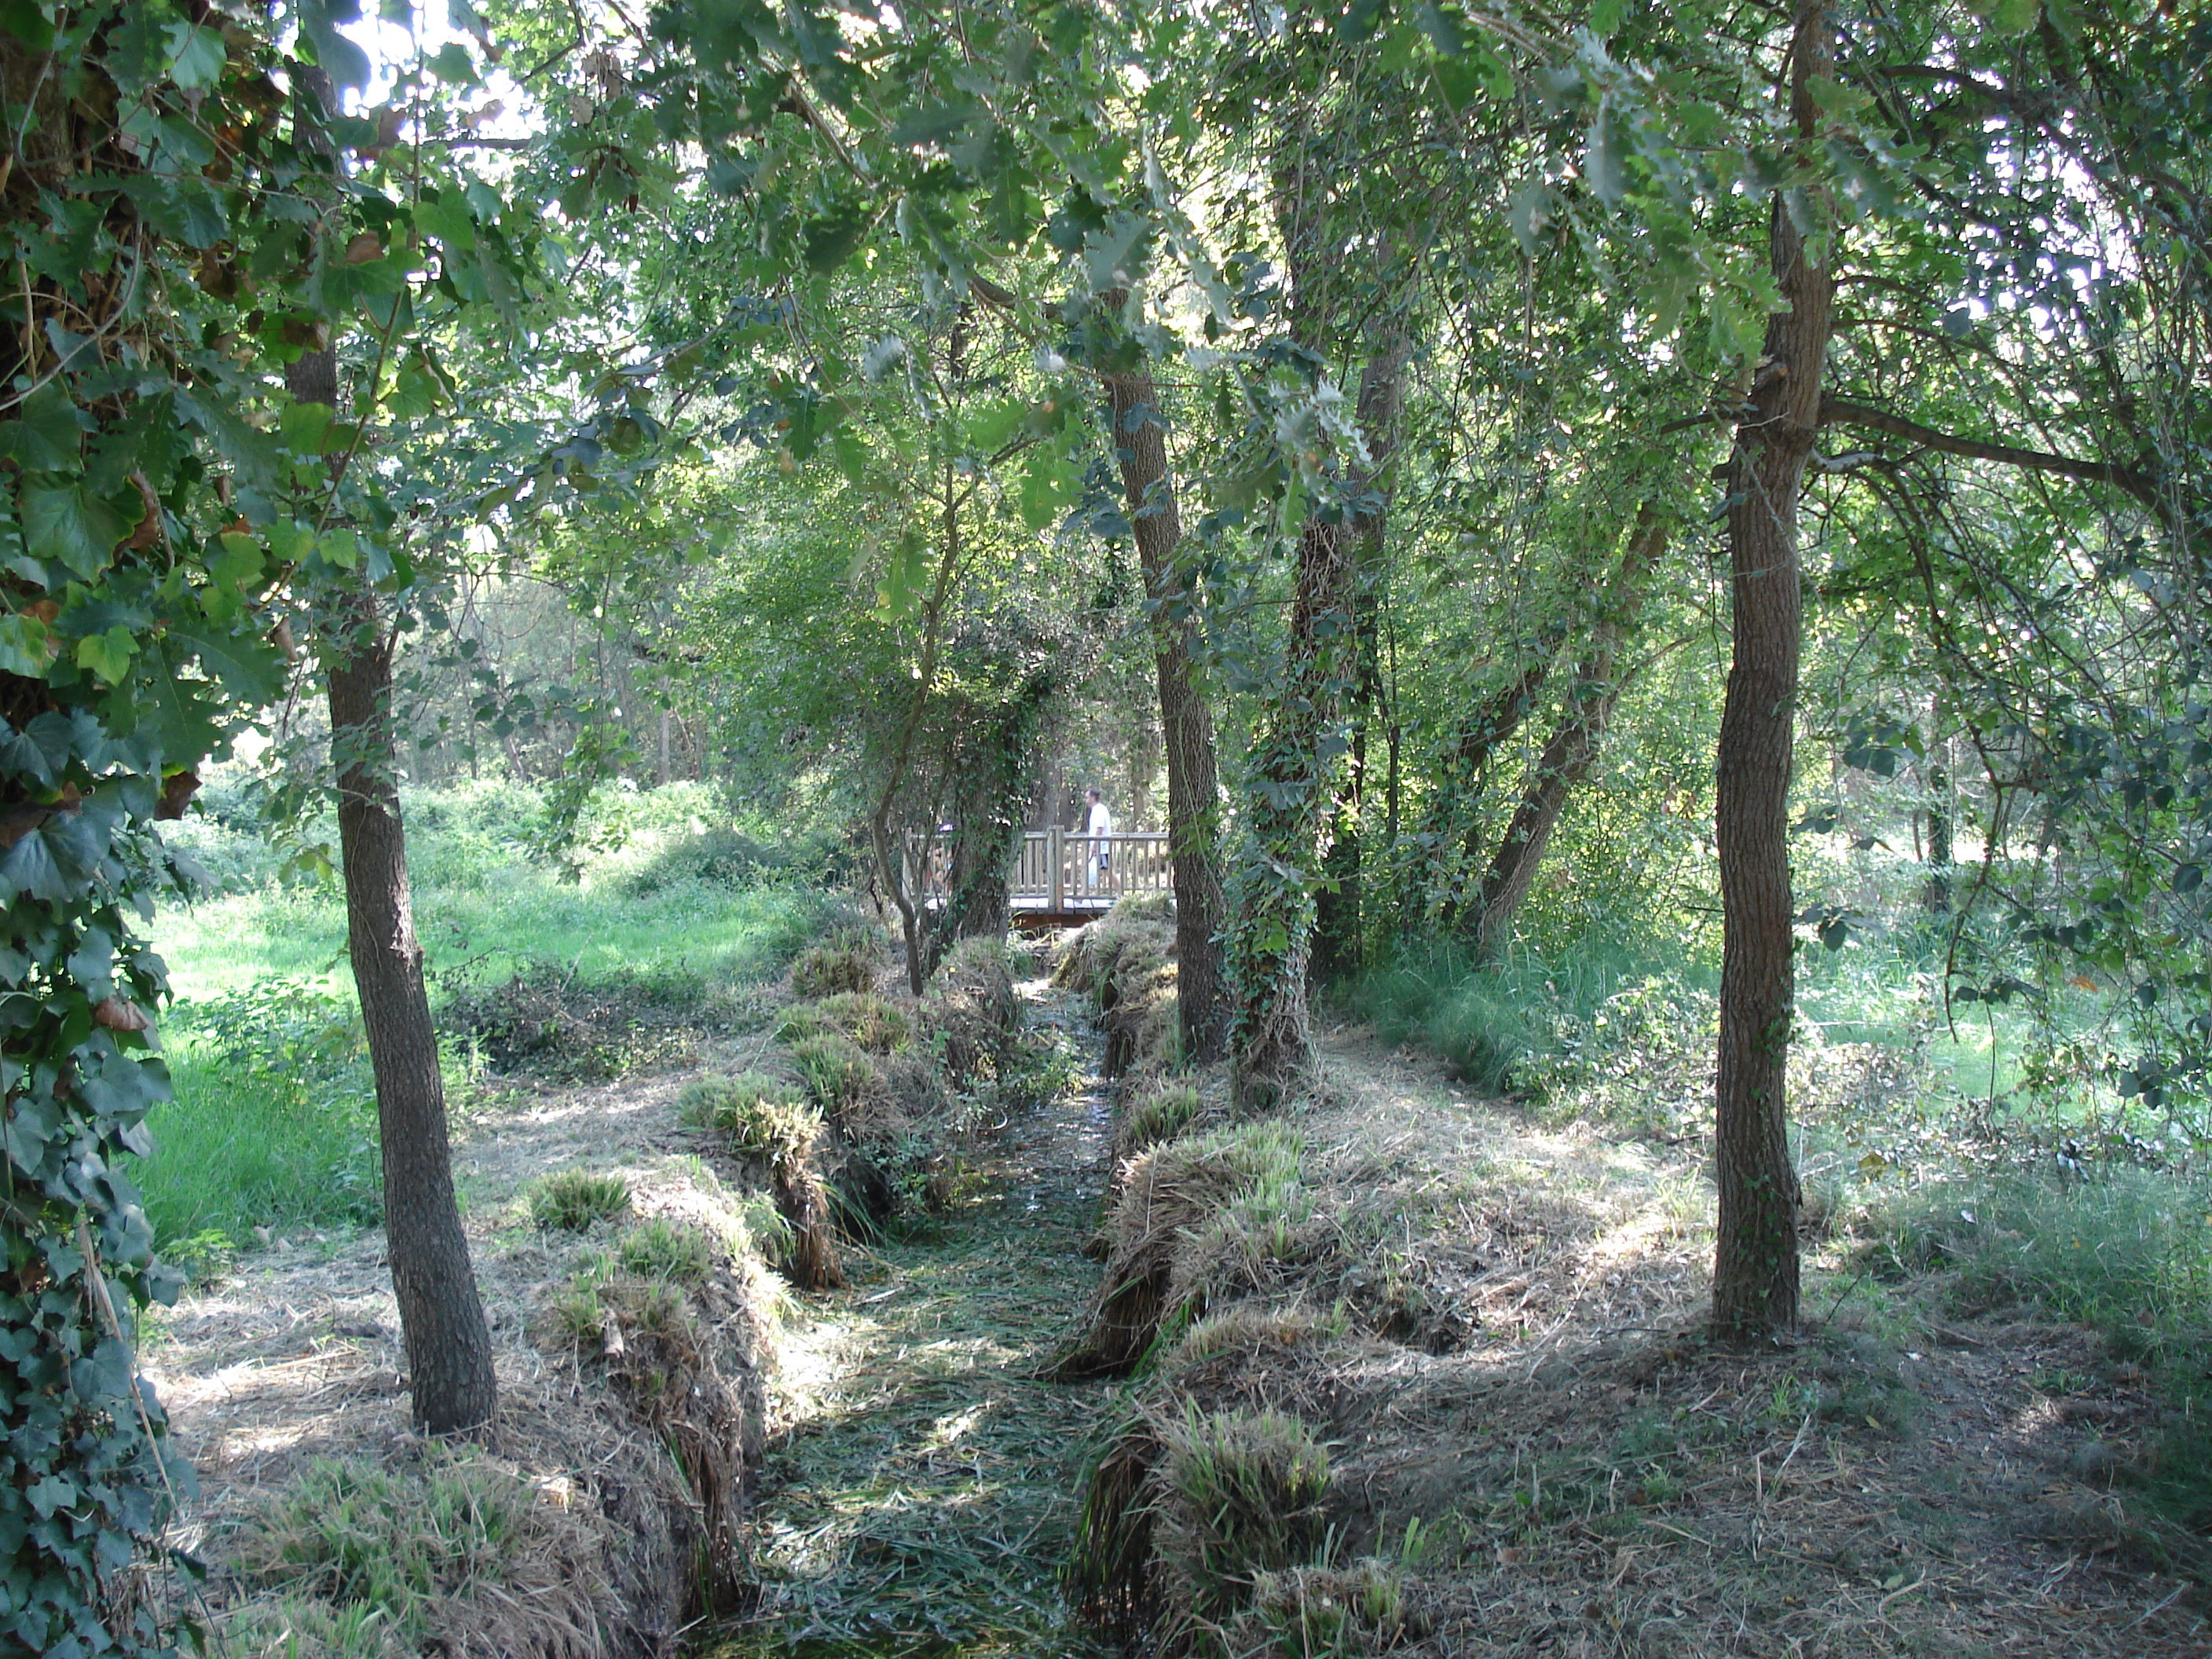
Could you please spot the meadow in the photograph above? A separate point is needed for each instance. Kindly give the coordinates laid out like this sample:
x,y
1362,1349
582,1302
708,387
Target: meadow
x,y
272,1130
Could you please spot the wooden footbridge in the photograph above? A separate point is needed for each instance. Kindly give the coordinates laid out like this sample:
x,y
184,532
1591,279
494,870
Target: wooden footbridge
x,y
1065,877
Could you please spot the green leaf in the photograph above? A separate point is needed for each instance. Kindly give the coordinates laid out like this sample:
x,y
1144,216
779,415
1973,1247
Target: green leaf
x,y
2008,17
935,125
1444,30
44,437
195,55
23,646
831,239
341,547
107,655
239,562
452,63
304,426
248,668
72,524
29,21
1605,18
346,64
1602,161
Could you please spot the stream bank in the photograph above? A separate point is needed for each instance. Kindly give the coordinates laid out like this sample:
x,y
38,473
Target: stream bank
x,y
919,1495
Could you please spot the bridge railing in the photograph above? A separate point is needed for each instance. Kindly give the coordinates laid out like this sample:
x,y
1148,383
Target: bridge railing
x,y
1064,869
1061,870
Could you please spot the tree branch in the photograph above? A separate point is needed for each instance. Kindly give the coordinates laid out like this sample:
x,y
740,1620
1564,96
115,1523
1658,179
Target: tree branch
x,y
1836,411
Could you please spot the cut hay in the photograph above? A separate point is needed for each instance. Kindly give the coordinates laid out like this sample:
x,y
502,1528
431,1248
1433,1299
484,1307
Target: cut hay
x,y
767,1127
1169,1237
601,1512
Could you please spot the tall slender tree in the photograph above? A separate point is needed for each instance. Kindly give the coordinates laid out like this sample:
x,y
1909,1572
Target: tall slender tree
x,y
1755,1270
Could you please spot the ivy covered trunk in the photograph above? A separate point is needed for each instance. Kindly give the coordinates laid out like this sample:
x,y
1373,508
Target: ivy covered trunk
x,y
1186,722
449,1358
1755,1268
1292,767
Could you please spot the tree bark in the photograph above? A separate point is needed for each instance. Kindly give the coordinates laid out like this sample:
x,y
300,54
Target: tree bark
x,y
1272,935
449,1358
1755,1266
1573,745
1186,722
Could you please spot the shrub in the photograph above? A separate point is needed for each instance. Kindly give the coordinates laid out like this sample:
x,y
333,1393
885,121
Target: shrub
x,y
762,1117
728,858
1159,1114
572,1200
422,1543
873,1022
2124,1249
666,1250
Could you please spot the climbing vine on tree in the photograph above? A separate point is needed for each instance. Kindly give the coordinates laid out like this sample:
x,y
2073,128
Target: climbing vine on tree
x,y
160,260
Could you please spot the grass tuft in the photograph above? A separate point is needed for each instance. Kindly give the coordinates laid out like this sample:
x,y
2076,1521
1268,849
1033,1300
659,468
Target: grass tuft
x,y
668,1251
1241,1495
574,1200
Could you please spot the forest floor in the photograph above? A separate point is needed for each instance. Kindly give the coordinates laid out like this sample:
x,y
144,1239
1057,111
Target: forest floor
x,y
1497,1339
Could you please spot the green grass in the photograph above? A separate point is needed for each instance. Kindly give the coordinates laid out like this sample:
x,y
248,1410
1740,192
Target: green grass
x,y
240,1149
1502,1025
258,1136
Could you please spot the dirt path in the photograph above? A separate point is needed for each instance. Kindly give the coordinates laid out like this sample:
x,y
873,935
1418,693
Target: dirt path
x,y
920,1496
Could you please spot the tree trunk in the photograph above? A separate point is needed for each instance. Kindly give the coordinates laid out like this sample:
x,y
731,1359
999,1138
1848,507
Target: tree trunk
x,y
1340,924
1272,934
1573,745
1185,723
1937,894
441,1318
449,1358
1755,1270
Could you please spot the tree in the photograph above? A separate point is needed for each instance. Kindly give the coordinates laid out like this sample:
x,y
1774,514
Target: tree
x,y
1755,1270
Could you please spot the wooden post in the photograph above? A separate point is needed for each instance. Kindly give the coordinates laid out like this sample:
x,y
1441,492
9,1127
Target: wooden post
x,y
1053,852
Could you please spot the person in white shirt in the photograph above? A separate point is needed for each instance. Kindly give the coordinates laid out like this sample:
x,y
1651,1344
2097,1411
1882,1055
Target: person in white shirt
x,y
1099,825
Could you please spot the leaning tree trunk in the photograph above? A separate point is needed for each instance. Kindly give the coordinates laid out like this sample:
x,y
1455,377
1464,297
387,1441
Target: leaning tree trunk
x,y
1755,1270
1186,722
449,1358
1572,748
1272,934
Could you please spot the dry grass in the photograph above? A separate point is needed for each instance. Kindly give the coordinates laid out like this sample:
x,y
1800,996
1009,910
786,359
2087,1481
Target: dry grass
x,y
1535,1451
295,1362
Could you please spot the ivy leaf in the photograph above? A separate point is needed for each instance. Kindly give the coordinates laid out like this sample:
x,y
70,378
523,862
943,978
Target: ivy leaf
x,y
46,436
69,523
108,654
29,22
23,646
54,861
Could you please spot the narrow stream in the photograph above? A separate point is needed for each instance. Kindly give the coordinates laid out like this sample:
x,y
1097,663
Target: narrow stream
x,y
924,1497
